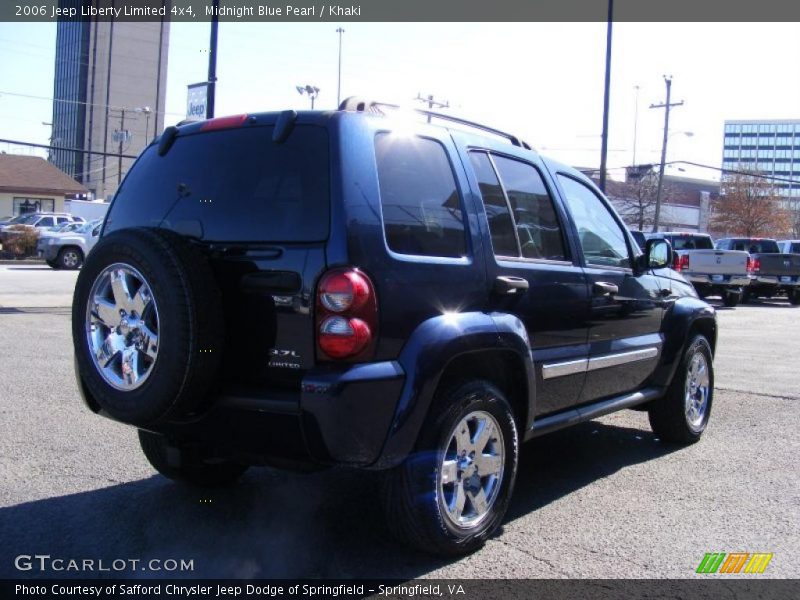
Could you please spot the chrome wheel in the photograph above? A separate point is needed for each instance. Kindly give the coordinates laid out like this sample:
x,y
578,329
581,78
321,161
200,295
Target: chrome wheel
x,y
697,388
471,471
70,259
122,326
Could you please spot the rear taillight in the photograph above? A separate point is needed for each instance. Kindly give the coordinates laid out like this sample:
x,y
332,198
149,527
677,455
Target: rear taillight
x,y
753,265
680,262
347,315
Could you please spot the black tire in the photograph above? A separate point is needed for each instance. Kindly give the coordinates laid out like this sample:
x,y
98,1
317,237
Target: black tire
x,y
188,466
794,297
414,507
747,297
190,338
69,258
52,264
730,299
668,415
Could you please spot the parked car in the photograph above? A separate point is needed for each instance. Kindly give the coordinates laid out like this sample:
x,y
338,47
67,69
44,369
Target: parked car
x,y
789,246
39,220
346,288
68,250
712,272
772,272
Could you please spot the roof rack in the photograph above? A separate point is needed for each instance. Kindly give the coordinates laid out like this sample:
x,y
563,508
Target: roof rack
x,y
357,104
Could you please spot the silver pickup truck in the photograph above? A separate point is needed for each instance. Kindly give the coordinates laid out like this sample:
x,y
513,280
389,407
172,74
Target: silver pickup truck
x,y
712,272
772,272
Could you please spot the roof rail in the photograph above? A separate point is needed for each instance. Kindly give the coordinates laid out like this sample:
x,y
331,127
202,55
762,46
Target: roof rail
x,y
357,104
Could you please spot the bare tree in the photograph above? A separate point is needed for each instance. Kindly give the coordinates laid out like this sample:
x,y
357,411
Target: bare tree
x,y
635,199
749,206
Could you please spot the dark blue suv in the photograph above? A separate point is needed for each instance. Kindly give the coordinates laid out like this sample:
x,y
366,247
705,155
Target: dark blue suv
x,y
359,287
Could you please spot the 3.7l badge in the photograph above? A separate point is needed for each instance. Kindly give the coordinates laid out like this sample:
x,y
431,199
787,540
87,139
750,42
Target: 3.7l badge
x,y
284,359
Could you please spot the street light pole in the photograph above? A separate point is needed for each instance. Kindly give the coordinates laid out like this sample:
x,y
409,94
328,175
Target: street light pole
x,y
666,106
606,98
212,63
340,31
635,124
311,90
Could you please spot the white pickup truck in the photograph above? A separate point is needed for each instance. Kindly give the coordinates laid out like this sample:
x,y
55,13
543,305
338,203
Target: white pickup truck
x,y
712,272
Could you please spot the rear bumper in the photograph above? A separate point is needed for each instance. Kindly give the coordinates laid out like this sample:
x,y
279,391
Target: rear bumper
x,y
785,281
712,280
338,417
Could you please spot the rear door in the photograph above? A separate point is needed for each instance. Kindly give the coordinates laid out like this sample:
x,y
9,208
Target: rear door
x,y
626,306
526,226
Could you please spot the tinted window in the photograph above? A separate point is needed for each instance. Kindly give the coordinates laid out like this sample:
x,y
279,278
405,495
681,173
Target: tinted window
x,y
421,206
691,242
756,246
532,207
794,249
501,225
601,236
46,222
232,185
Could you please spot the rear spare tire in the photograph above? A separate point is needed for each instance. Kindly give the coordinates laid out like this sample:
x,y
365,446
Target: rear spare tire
x,y
144,350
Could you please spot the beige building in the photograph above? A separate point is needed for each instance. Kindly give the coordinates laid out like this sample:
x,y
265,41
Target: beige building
x,y
109,92
31,184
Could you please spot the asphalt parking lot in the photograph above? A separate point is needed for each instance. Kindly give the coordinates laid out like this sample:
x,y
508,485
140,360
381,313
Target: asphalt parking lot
x,y
602,500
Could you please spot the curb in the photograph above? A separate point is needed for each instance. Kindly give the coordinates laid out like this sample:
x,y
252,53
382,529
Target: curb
x,y
23,261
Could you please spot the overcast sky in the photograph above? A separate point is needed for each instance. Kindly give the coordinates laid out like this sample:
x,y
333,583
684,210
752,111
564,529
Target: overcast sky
x,y
543,81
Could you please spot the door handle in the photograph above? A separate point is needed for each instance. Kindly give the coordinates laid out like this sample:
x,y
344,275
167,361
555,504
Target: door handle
x,y
506,284
602,288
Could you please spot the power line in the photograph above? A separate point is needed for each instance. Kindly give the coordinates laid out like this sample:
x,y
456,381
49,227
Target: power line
x,y
31,96
47,147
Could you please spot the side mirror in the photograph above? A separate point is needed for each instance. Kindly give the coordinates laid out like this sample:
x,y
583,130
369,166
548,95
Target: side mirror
x,y
657,254
96,231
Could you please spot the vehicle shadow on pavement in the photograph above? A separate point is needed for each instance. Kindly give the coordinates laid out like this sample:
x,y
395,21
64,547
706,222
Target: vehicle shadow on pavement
x,y
284,525
558,464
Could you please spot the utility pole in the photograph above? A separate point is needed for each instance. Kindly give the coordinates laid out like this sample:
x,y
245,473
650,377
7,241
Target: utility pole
x,y
606,98
340,31
122,133
635,124
212,62
666,106
432,103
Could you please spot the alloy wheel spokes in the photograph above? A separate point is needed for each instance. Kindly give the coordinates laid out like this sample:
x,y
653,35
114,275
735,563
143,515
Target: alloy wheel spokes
x,y
122,326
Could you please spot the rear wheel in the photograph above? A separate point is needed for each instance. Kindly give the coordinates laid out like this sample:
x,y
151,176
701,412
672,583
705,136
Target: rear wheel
x,y
731,299
188,465
70,258
681,416
794,297
452,492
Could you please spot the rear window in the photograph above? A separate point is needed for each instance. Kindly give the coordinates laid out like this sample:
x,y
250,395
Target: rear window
x,y
237,184
692,242
756,246
421,206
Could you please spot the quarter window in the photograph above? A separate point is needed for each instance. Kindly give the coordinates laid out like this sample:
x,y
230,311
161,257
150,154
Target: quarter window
x,y
602,239
421,206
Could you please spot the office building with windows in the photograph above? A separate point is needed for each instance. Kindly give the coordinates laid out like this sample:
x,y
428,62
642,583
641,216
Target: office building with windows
x,y
109,93
771,147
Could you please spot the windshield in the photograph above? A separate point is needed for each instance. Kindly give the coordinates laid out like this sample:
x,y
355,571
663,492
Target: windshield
x,y
88,226
25,219
692,242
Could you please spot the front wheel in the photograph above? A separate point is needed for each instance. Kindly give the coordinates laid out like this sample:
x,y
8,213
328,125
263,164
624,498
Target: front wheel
x,y
681,416
452,492
181,464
